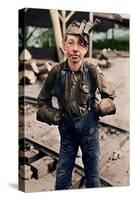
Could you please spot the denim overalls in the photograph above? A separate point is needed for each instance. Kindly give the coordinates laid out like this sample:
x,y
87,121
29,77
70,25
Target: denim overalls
x,y
83,132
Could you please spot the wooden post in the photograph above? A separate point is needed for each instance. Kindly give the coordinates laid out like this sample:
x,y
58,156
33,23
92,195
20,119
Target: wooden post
x,y
90,36
57,33
63,22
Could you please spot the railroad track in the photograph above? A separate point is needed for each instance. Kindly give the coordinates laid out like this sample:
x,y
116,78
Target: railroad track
x,y
28,145
26,157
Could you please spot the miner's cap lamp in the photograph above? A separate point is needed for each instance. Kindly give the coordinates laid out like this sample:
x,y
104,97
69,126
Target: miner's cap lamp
x,y
82,28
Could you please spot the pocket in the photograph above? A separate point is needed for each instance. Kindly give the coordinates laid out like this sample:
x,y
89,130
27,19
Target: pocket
x,y
96,114
65,124
89,121
41,117
61,122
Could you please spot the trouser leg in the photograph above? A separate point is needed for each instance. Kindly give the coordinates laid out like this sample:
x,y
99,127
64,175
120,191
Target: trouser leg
x,y
67,155
90,156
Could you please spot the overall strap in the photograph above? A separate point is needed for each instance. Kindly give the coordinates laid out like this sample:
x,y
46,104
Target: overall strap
x,y
87,77
89,81
62,85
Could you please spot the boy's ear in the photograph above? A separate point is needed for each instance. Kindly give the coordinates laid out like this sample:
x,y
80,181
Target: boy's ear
x,y
86,48
63,44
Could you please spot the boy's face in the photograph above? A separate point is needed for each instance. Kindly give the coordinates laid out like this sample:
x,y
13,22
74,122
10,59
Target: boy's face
x,y
75,48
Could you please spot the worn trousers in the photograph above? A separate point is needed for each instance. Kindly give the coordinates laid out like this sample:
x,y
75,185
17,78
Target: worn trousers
x,y
74,133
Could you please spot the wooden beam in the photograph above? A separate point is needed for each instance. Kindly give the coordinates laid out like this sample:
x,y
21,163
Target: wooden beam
x,y
69,16
57,32
90,35
60,17
63,22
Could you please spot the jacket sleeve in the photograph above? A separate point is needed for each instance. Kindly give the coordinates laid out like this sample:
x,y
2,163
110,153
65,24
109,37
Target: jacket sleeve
x,y
48,113
104,86
105,106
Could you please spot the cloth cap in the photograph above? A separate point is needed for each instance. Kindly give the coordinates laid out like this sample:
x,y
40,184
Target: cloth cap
x,y
75,29
82,29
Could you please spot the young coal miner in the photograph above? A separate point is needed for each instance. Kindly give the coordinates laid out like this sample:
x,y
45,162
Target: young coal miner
x,y
74,83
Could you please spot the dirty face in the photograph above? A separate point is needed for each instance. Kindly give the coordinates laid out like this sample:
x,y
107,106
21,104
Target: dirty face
x,y
75,48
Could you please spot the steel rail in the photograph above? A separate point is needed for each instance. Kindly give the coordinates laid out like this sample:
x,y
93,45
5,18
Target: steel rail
x,y
55,155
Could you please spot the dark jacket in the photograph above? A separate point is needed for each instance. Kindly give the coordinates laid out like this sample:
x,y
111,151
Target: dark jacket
x,y
77,95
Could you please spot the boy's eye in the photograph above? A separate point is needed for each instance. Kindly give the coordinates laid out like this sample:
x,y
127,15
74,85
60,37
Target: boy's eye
x,y
70,42
81,44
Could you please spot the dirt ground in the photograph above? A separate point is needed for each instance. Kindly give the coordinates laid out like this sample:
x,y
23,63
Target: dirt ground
x,y
118,74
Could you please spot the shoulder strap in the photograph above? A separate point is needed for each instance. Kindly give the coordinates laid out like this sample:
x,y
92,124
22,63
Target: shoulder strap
x,y
90,83
62,85
63,79
88,79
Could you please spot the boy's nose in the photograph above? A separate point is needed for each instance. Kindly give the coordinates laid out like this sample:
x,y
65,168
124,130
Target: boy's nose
x,y
75,47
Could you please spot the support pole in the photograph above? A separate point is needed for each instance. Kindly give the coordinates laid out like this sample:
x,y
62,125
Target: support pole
x,y
90,35
63,22
57,32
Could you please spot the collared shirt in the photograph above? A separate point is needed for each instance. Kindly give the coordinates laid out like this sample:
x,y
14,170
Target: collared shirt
x,y
76,93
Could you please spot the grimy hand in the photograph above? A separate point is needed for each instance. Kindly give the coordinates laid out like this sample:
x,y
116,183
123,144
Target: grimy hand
x,y
57,118
106,107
